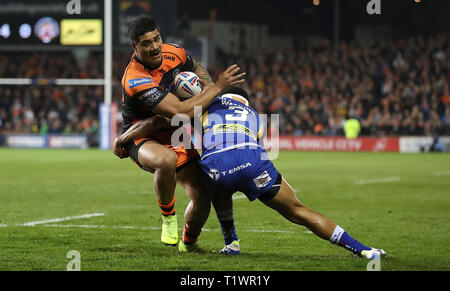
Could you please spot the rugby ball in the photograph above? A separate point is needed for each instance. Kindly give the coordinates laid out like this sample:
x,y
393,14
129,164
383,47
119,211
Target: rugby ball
x,y
186,85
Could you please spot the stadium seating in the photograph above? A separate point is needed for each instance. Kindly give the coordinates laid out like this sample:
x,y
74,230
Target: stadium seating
x,y
394,87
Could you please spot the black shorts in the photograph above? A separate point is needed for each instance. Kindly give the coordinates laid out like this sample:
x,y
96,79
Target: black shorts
x,y
273,191
185,156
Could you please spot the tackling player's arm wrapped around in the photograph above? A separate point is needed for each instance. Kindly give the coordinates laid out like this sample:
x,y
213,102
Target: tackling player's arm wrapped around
x,y
140,129
202,73
168,105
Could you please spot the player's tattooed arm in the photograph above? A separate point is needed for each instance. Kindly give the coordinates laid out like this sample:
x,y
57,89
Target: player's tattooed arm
x,y
202,72
140,129
171,105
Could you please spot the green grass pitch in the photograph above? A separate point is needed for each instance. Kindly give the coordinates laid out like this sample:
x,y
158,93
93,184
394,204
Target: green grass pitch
x,y
398,202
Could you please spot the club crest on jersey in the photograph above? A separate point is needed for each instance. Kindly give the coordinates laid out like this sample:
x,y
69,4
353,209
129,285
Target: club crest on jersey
x,y
137,82
262,180
214,174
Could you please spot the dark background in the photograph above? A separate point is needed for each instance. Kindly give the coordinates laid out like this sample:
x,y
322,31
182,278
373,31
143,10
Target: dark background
x,y
289,17
301,16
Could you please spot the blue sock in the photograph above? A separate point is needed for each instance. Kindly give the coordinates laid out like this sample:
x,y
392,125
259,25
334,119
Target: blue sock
x,y
227,225
343,239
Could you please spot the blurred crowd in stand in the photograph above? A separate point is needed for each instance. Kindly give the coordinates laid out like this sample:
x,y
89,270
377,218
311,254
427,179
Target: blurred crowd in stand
x,y
393,87
53,109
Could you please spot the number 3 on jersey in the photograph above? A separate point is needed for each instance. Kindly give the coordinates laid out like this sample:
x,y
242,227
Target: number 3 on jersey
x,y
239,114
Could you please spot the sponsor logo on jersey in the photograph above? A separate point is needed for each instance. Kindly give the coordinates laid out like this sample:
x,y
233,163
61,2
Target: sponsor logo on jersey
x,y
150,96
236,169
137,82
233,128
262,180
171,58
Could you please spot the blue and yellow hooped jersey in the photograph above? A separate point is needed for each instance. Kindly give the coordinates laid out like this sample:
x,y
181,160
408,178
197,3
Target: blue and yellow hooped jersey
x,y
229,124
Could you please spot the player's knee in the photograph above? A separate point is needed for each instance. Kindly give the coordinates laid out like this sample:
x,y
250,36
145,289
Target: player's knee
x,y
297,213
167,162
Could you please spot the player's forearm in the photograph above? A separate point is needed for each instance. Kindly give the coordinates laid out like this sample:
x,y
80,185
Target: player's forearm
x,y
203,100
202,73
141,129
134,132
227,79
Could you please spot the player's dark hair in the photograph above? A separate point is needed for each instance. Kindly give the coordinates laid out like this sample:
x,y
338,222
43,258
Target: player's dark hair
x,y
237,91
140,26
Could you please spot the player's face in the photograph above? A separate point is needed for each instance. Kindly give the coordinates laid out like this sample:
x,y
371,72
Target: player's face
x,y
148,49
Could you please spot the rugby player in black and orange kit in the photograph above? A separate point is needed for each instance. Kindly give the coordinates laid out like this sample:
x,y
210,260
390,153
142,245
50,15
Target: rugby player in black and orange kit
x,y
146,86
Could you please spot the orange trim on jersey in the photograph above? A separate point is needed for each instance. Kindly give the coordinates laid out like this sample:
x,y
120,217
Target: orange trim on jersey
x,y
163,137
172,50
124,74
185,156
139,140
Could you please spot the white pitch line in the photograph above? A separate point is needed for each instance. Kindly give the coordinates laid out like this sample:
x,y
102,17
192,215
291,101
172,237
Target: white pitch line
x,y
442,173
146,227
263,230
380,180
102,226
240,196
33,223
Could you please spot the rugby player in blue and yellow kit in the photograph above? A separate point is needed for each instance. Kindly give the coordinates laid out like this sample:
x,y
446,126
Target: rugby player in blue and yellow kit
x,y
234,160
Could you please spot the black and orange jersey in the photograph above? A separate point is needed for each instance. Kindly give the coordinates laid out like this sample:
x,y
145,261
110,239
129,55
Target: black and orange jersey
x,y
144,87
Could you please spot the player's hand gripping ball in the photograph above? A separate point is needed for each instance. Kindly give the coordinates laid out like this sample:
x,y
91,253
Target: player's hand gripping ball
x,y
186,85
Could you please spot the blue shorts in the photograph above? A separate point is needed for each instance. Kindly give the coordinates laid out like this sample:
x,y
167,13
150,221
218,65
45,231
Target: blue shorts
x,y
245,170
